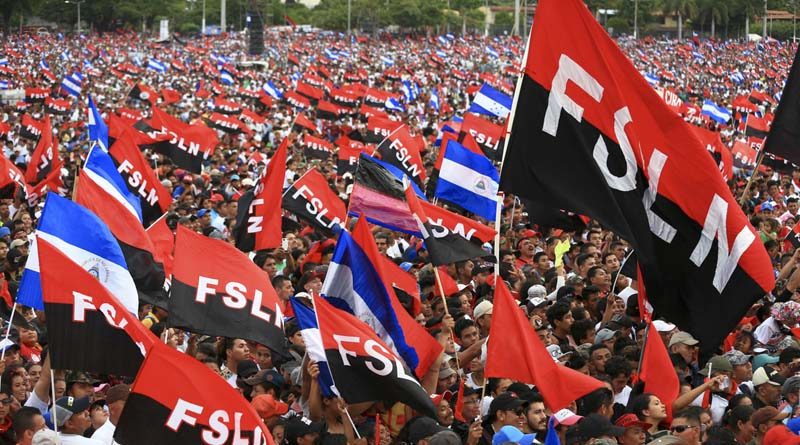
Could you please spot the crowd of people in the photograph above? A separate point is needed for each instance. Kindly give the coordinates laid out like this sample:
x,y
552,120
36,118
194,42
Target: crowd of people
x,y
748,392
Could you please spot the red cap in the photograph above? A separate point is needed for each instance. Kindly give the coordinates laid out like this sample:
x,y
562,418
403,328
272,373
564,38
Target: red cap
x,y
266,406
437,398
630,421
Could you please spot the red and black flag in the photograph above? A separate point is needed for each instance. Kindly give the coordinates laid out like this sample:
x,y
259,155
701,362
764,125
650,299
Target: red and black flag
x,y
379,128
444,247
258,223
218,290
175,399
719,152
89,329
328,111
163,240
144,93
364,368
784,139
302,122
402,150
226,107
488,135
316,148
44,158
57,106
313,93
313,200
756,127
296,100
347,156
344,98
189,144
139,176
35,95
227,124
640,172
31,128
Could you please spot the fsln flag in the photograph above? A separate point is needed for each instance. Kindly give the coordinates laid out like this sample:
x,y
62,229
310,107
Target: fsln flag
x,y
88,327
363,366
157,66
354,283
783,139
642,173
102,190
444,247
217,290
258,223
309,329
490,102
403,151
72,84
468,180
98,130
184,402
313,200
86,240
717,113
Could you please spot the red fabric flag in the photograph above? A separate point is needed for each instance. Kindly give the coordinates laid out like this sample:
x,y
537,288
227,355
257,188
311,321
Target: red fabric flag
x,y
657,371
164,242
459,402
448,283
526,360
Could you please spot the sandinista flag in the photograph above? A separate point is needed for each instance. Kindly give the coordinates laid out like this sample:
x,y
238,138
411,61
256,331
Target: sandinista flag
x,y
635,167
403,151
164,242
364,367
30,128
316,148
217,290
258,223
657,371
44,156
139,176
181,401
89,329
347,157
487,134
188,145
526,360
379,128
227,124
783,138
313,200
102,190
301,121
719,152
444,247
404,284
355,283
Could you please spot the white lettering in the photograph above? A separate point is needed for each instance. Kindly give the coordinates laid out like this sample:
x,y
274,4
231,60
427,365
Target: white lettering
x,y
558,99
179,414
343,352
627,181
205,287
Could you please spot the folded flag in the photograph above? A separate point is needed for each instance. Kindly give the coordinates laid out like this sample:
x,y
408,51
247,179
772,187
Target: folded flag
x,y
351,352
98,130
718,114
490,102
89,329
393,104
468,180
87,241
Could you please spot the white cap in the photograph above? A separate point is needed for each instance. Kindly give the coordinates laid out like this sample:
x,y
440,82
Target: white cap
x,y
483,308
663,326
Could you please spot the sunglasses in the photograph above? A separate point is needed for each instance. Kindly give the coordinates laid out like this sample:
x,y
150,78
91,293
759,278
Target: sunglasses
x,y
6,401
680,428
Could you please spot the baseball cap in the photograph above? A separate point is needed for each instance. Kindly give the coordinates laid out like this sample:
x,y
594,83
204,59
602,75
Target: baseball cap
x,y
299,427
505,402
267,406
7,344
445,372
763,359
483,308
509,433
763,415
736,357
266,376
556,353
67,407
536,291
630,420
566,417
235,177
604,334
766,374
118,393
437,398
422,428
4,231
719,363
247,182
45,437
202,212
663,326
246,369
684,338
595,426
79,377
17,242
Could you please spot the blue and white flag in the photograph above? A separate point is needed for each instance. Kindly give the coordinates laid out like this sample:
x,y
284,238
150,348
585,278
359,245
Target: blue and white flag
x,y
652,79
345,54
156,66
226,77
272,90
64,55
491,102
353,284
718,114
4,84
435,103
737,77
72,84
409,91
87,241
331,54
98,130
393,105
43,65
492,52
102,173
309,329
443,40
388,61
3,60
468,180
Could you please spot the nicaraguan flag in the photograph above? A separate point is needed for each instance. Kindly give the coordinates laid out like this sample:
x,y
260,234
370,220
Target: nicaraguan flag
x,y
468,180
86,240
226,77
491,102
100,169
353,284
435,104
344,54
388,61
4,84
409,91
272,90
492,52
43,65
737,77
98,130
3,61
156,66
393,105
652,79
443,40
64,55
715,112
72,84
331,54
309,329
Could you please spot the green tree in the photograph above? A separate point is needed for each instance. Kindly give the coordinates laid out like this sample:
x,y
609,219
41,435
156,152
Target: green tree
x,y
684,9
714,11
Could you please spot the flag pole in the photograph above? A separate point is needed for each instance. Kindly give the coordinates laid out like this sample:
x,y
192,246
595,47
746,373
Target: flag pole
x,y
619,271
446,311
53,391
355,430
644,348
8,333
517,90
498,216
759,160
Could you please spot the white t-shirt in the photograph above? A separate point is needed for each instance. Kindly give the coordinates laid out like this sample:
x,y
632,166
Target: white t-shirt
x,y
623,396
105,433
35,402
74,439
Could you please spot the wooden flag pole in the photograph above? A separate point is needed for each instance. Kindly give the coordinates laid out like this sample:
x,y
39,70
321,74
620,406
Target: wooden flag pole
x,y
759,160
446,311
